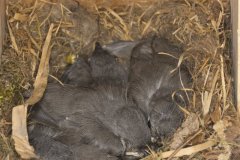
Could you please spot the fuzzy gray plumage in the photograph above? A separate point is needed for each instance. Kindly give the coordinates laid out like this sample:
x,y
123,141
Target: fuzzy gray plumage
x,y
109,101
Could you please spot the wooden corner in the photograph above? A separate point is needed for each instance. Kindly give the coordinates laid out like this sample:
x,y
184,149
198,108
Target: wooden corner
x,y
235,5
2,26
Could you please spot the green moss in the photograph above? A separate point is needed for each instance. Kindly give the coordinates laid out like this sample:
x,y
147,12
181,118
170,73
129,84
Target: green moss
x,y
6,94
14,75
9,97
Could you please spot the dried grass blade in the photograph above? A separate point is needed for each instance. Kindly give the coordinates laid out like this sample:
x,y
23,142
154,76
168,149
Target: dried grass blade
x,y
125,28
42,75
223,84
14,43
184,151
208,98
146,27
32,39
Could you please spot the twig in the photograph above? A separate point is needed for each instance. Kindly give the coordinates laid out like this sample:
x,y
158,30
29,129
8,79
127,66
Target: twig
x,y
180,147
184,151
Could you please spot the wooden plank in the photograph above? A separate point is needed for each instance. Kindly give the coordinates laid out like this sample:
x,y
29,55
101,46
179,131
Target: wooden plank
x,y
90,4
2,26
235,5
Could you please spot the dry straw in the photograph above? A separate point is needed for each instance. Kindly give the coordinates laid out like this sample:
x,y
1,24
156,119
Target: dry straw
x,y
199,27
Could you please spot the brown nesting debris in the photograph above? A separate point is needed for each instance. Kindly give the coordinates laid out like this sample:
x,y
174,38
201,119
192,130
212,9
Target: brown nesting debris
x,y
201,28
75,31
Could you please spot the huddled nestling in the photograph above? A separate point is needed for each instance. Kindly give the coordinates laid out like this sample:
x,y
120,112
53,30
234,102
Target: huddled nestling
x,y
125,96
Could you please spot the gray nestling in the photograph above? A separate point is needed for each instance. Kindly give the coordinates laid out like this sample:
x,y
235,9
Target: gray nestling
x,y
100,116
153,77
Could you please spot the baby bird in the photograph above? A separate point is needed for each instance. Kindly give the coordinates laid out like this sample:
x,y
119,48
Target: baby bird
x,y
105,68
153,79
102,67
42,137
90,152
165,116
47,148
98,116
78,74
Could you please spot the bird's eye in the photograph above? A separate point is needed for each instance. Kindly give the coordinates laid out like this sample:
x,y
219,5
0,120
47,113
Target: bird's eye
x,y
149,124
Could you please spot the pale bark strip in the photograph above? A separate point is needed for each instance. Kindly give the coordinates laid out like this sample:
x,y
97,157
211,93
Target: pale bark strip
x,y
19,113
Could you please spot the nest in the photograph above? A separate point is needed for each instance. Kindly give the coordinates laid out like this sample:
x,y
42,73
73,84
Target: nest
x,y
201,28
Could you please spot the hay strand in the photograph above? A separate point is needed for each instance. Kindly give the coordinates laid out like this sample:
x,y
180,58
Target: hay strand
x,y
185,151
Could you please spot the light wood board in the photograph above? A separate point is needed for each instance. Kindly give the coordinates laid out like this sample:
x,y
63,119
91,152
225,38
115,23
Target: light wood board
x,y
235,5
2,25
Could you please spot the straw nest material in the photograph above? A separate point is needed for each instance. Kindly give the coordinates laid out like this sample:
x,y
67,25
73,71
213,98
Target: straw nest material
x,y
200,27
